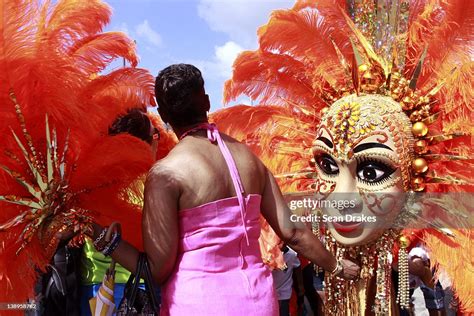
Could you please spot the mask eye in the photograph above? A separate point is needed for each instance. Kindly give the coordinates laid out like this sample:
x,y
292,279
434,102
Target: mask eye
x,y
327,164
373,172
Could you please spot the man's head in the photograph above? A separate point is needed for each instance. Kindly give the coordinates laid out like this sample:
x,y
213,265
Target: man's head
x,y
182,100
135,123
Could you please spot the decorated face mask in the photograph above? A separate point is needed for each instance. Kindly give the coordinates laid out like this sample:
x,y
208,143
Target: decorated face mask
x,y
362,152
373,102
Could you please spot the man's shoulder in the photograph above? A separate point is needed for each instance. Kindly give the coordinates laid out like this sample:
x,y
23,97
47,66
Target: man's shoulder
x,y
161,171
231,140
238,145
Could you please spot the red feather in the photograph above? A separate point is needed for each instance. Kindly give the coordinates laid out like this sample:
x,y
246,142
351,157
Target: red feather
x,y
50,58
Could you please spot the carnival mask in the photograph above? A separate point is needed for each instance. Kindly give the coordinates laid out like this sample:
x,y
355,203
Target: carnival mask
x,y
362,154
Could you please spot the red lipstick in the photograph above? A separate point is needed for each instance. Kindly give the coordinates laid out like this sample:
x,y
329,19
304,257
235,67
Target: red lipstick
x,y
346,227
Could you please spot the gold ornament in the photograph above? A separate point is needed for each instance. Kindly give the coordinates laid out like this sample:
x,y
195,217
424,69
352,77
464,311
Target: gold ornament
x,y
418,184
370,81
421,147
415,116
404,241
419,165
353,117
407,103
363,68
419,129
343,296
403,295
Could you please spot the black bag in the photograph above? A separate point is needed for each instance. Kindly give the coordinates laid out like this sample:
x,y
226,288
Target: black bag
x,y
137,301
60,292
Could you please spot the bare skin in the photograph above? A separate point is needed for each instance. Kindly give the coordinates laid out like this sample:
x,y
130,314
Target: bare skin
x,y
195,173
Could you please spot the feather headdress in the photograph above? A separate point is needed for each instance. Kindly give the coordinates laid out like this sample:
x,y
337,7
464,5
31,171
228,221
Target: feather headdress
x,y
418,53
58,167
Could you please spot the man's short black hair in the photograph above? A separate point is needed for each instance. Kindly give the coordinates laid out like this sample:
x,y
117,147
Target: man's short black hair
x,y
135,123
179,91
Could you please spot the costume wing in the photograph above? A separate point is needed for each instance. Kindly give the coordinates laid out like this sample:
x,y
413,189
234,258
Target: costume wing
x,y
58,96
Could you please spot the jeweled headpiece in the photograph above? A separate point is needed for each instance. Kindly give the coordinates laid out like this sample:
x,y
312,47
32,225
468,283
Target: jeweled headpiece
x,y
410,57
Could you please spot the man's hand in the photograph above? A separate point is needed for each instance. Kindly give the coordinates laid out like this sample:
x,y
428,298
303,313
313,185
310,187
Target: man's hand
x,y
67,233
350,270
416,266
421,269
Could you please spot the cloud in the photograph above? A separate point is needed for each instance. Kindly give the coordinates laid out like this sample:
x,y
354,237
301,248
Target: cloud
x,y
225,56
219,66
145,31
239,19
123,27
217,69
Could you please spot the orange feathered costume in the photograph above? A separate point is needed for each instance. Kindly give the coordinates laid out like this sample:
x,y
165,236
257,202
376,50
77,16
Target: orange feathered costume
x,y
59,168
53,63
303,60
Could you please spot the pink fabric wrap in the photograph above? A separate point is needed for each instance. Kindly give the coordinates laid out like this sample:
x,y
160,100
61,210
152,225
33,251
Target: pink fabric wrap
x,y
219,269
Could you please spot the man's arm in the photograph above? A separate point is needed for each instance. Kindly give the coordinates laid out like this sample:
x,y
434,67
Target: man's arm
x,y
160,221
297,235
160,227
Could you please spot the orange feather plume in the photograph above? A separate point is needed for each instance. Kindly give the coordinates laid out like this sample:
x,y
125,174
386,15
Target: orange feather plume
x,y
304,53
54,62
456,260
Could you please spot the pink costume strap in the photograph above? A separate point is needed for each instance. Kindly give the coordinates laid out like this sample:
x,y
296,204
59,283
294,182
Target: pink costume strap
x,y
214,136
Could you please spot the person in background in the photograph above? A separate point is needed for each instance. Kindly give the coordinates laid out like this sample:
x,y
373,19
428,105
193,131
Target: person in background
x,y
283,281
309,277
421,275
94,263
59,290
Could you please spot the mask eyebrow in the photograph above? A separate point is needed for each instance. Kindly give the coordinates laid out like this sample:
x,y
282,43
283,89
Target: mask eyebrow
x,y
326,141
365,146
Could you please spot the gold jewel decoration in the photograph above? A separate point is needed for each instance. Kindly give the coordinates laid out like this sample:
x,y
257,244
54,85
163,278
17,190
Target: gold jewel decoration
x,y
48,203
421,147
420,129
346,117
350,122
418,184
403,295
316,228
383,288
343,295
420,166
